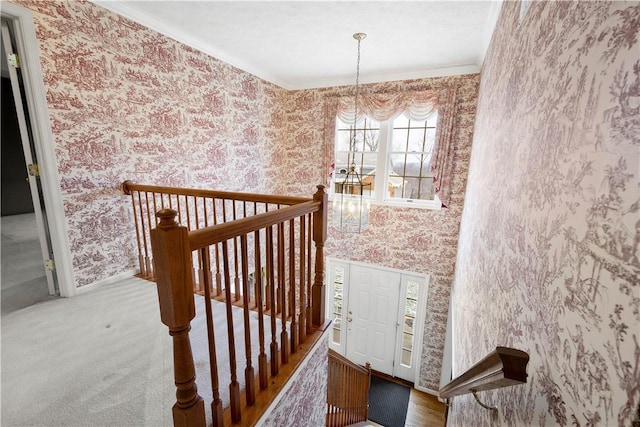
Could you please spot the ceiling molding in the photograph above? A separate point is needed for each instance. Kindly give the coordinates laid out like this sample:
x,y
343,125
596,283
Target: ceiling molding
x,y
492,21
125,10
378,78
162,28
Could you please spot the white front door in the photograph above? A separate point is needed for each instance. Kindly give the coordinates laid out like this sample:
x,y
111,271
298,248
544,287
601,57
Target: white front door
x,y
372,317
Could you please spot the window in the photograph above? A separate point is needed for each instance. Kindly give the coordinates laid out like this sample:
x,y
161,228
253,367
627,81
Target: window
x,y
393,157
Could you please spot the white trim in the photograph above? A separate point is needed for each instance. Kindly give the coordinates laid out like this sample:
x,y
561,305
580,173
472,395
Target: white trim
x,y
135,15
121,8
426,390
127,274
377,266
457,70
292,378
29,52
487,35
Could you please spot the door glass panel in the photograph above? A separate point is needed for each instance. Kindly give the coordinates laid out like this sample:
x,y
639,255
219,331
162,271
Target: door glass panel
x,y
410,309
338,286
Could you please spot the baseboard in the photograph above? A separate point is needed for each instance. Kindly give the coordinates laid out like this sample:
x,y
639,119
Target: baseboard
x,y
427,390
107,281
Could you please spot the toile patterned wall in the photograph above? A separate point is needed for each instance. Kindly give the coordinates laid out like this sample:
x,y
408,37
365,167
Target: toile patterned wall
x,y
549,253
417,240
128,103
300,406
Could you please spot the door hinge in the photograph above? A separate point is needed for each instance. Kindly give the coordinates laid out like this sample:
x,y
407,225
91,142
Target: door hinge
x,y
50,265
34,170
14,60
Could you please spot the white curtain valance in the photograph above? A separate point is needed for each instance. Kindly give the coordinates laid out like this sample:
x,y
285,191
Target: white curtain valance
x,y
385,106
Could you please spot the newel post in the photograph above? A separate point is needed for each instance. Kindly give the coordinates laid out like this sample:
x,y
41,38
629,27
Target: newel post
x,y
319,237
172,258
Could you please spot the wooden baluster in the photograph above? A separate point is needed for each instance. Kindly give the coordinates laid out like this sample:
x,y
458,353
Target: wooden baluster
x,y
309,270
126,189
216,403
257,263
292,287
200,283
236,281
234,386
262,357
302,327
272,297
249,374
319,237
194,269
217,249
282,292
170,246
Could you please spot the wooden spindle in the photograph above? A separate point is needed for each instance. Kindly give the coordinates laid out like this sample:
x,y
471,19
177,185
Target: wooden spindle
x,y
272,297
302,327
249,374
309,274
170,245
234,386
126,188
216,403
319,237
282,295
292,287
236,281
262,357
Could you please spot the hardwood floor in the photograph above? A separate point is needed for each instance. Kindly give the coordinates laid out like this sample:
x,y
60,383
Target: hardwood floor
x,y
425,410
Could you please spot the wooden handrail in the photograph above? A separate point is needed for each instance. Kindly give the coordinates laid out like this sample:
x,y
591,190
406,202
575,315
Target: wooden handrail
x,y
218,233
129,186
502,367
347,391
252,253
335,355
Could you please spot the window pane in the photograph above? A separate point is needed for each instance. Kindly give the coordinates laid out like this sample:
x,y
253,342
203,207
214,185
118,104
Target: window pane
x,y
412,289
399,140
400,121
408,324
336,335
410,308
416,140
406,358
407,341
342,140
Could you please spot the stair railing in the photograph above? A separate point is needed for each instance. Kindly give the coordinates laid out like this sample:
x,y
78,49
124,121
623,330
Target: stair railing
x,y
347,391
271,262
502,367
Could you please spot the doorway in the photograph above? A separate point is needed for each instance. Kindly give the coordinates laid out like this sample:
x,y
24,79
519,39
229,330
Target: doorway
x,y
19,38
378,316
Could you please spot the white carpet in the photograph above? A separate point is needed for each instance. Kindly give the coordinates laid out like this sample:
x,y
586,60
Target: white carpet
x,y
102,358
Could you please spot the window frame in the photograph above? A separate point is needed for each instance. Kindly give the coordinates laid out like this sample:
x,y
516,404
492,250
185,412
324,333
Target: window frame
x,y
383,160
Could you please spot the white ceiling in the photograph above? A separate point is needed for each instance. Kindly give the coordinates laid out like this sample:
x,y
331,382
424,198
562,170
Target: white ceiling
x,y
308,44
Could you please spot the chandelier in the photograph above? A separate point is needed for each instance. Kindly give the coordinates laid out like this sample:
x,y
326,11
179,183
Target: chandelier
x,y
350,208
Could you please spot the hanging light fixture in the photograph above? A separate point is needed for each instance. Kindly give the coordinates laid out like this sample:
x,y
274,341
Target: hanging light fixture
x,y
350,209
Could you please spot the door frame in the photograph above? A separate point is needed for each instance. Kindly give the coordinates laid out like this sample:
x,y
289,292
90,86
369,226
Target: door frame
x,y
420,314
28,50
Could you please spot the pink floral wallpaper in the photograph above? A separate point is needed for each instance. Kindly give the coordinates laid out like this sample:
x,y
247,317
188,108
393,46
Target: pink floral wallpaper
x,y
300,405
418,240
549,253
128,103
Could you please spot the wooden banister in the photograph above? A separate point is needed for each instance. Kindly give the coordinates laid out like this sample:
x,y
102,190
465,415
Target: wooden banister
x,y
218,233
128,187
266,258
347,391
502,367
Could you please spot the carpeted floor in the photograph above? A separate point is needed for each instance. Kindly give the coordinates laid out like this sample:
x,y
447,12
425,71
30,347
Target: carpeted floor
x,y
388,402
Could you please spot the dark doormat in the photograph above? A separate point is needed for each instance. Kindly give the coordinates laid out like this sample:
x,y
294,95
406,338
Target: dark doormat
x,y
388,402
